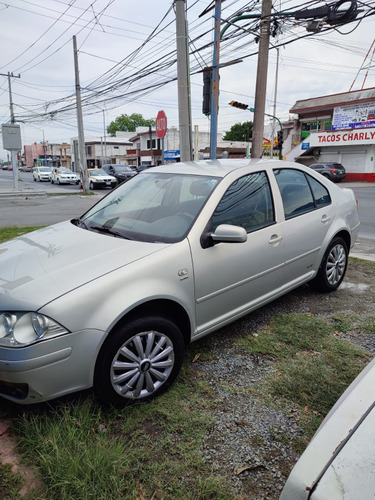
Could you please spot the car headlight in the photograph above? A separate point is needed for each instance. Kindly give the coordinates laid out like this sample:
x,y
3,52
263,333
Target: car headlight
x,y
18,329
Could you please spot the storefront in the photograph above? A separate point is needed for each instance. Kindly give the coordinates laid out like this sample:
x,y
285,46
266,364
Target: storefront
x,y
355,149
336,128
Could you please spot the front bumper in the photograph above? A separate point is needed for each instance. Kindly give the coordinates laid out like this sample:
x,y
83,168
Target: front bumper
x,y
50,368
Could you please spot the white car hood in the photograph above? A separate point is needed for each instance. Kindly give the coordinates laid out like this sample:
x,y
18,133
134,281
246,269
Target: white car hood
x,y
38,267
101,177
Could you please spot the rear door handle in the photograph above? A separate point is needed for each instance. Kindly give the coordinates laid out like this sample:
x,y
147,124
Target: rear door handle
x,y
325,219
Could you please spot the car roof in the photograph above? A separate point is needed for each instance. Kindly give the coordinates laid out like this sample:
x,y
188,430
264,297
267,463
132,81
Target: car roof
x,y
219,168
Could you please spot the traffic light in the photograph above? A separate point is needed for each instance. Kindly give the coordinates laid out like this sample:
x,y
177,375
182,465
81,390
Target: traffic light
x,y
206,105
280,139
240,105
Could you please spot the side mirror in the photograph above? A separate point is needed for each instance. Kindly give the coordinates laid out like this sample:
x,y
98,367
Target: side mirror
x,y
230,234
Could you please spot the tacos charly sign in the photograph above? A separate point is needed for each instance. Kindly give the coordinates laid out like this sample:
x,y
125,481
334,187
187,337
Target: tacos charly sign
x,y
342,138
354,116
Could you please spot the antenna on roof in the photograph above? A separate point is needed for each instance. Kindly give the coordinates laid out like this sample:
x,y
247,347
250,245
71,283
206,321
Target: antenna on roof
x,y
364,66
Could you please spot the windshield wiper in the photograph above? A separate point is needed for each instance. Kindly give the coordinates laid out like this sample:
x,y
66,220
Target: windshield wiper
x,y
79,223
107,230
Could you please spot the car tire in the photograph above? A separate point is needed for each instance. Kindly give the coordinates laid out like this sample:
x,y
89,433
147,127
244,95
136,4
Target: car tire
x,y
58,180
77,182
34,179
332,268
91,185
139,361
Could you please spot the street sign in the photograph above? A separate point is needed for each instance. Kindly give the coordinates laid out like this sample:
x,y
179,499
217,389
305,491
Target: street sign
x,y
11,134
171,155
161,124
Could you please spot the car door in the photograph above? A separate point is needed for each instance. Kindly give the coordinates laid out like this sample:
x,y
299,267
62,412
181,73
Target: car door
x,y
233,278
309,212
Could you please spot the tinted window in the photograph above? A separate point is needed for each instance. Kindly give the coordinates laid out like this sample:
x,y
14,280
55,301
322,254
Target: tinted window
x,y
321,194
295,192
300,192
247,203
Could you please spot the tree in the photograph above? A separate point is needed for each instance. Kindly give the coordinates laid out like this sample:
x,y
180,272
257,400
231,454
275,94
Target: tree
x,y
240,132
126,123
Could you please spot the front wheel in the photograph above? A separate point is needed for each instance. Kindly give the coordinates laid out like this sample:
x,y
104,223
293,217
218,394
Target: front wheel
x,y
332,268
139,361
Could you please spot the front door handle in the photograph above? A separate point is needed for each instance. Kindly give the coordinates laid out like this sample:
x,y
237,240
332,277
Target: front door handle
x,y
275,240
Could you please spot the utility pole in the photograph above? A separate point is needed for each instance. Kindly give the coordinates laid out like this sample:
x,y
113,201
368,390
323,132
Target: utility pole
x,y
183,82
261,80
81,137
215,82
274,102
13,153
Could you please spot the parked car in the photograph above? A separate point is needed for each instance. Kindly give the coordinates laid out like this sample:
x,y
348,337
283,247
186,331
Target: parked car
x,y
121,172
64,176
333,171
98,178
5,167
143,167
339,462
111,298
42,174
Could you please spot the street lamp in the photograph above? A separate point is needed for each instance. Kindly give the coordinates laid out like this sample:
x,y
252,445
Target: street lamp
x,y
104,159
279,135
44,140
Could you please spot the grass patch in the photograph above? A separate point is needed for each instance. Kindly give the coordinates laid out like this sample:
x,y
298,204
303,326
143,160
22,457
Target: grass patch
x,y
313,366
147,451
8,233
10,483
369,325
366,264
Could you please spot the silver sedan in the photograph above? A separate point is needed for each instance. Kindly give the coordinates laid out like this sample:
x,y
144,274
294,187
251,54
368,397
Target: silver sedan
x,y
110,299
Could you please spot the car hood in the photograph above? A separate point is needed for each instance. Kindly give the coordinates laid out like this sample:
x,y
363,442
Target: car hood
x,y
40,266
101,177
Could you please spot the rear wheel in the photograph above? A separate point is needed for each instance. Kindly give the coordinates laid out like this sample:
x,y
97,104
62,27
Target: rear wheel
x,y
91,185
333,267
139,361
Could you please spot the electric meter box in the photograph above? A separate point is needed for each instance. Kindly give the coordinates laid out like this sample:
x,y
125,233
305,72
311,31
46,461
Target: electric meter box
x,y
11,135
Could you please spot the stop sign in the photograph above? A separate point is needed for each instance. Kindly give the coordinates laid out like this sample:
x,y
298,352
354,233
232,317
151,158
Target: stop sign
x,y
161,124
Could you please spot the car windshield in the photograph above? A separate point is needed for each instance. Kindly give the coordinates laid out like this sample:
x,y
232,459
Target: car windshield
x,y
123,168
97,173
153,207
64,171
45,169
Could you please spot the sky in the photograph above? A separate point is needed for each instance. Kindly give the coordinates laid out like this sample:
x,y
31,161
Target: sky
x,y
127,61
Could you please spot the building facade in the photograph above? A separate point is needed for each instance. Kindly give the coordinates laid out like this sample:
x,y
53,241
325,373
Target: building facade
x,y
45,153
335,128
147,147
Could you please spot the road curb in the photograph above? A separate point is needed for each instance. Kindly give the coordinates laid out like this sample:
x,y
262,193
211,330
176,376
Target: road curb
x,y
22,194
